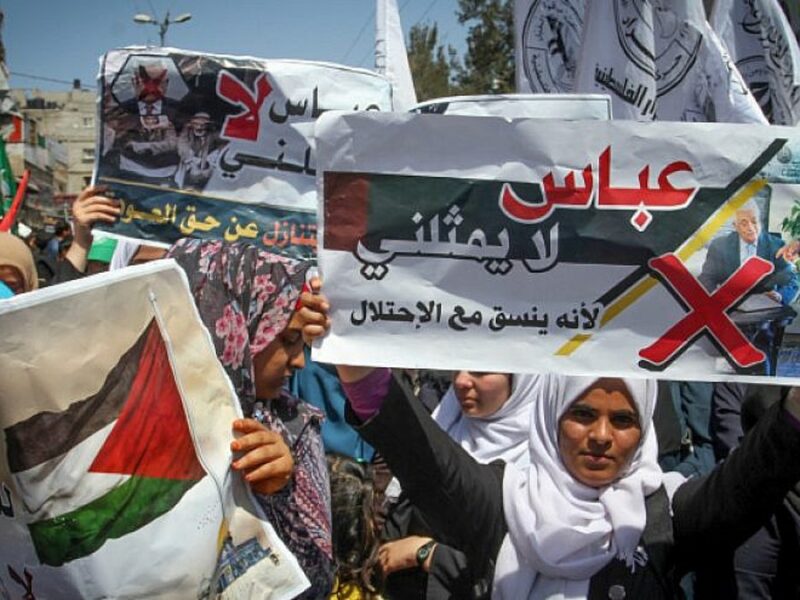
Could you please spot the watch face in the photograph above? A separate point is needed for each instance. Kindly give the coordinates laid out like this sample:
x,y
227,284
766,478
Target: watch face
x,y
423,552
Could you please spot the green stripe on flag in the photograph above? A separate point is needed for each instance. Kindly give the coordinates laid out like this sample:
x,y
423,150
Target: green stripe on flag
x,y
8,186
119,512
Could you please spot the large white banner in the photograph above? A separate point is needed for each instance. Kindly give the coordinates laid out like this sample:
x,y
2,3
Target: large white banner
x,y
115,478
216,146
580,247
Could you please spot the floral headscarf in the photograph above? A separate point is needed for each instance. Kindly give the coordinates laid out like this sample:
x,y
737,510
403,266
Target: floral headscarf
x,y
245,296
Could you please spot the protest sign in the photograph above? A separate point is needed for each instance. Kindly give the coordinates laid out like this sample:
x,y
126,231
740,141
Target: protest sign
x,y
595,247
518,106
219,146
115,475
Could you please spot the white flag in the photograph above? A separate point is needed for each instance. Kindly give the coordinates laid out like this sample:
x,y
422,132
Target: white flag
x,y
760,40
657,59
618,58
547,42
391,59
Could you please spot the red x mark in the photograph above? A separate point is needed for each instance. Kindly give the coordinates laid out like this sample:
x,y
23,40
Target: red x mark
x,y
707,311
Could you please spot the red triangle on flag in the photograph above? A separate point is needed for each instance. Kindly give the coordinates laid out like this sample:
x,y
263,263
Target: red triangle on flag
x,y
151,436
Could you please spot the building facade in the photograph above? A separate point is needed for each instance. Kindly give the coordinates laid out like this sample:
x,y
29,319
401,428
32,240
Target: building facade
x,y
54,138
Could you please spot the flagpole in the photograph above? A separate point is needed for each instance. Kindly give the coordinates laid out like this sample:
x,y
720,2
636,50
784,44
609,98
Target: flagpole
x,y
11,215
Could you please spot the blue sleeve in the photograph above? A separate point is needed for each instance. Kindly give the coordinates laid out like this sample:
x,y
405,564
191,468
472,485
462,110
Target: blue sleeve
x,y
319,385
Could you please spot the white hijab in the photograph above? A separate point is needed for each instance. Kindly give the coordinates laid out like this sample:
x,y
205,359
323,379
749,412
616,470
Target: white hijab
x,y
502,435
560,531
123,254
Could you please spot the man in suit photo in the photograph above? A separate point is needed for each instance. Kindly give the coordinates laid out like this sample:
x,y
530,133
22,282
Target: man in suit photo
x,y
728,252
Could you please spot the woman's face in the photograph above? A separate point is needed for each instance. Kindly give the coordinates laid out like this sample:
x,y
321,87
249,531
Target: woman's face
x,y
275,363
12,277
481,394
599,433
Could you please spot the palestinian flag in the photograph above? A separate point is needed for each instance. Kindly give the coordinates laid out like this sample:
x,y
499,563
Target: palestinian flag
x,y
108,464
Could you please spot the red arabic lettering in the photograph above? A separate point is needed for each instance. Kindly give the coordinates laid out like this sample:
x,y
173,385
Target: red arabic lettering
x,y
642,199
665,196
245,125
568,195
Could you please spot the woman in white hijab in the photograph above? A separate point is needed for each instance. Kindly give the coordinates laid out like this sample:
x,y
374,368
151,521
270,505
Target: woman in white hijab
x,y
488,415
593,463
485,426
592,515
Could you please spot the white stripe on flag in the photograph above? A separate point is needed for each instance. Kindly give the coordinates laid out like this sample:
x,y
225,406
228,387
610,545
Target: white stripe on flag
x,y
63,483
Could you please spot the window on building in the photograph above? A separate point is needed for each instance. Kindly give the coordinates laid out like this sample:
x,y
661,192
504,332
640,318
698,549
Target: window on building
x,y
87,155
88,122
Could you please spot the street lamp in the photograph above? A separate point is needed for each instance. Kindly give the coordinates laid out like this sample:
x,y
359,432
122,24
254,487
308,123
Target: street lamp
x,y
164,25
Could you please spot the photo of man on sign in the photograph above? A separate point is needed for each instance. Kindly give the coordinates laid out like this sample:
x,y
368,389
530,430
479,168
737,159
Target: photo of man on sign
x,y
764,314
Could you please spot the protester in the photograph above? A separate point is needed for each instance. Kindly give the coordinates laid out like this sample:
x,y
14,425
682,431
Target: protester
x,y
54,244
17,270
592,515
488,414
682,420
355,529
765,566
89,208
128,253
246,298
318,384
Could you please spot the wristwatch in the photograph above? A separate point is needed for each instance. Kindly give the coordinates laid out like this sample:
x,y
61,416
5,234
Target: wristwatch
x,y
424,551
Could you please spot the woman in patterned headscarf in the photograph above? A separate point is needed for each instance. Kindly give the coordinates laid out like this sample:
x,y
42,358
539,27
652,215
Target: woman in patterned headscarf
x,y
246,298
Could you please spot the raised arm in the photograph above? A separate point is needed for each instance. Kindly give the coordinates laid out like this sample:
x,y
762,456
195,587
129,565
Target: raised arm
x,y
718,512
435,472
89,208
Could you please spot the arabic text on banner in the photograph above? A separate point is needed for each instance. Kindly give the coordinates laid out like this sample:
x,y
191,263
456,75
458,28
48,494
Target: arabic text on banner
x,y
578,247
218,146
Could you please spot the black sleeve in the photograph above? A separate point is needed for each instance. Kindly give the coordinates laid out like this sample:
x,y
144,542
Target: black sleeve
x,y
449,575
717,512
460,498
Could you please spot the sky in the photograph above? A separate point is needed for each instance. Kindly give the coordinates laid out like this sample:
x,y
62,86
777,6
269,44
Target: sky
x,y
63,39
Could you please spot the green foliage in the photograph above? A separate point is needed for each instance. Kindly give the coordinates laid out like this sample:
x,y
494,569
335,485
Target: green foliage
x,y
488,66
489,63
791,224
430,67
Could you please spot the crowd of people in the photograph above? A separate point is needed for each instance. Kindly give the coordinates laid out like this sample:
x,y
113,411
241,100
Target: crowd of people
x,y
516,486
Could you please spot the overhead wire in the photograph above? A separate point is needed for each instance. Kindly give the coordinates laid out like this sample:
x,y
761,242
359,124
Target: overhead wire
x,y
48,79
370,19
425,12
